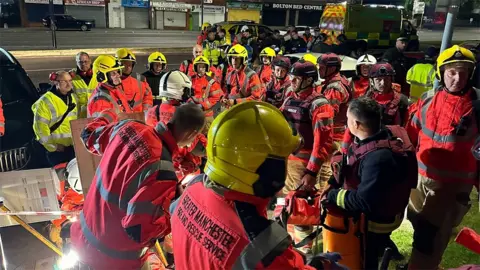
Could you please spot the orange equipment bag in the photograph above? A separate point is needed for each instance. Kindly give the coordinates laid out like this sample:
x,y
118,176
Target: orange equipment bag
x,y
343,233
300,207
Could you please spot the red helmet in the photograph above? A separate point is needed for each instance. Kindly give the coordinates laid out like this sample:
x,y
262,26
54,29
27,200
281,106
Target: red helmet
x,y
282,61
304,68
329,60
381,70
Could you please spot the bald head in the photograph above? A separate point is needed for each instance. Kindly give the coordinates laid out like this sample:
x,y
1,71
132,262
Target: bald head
x,y
63,82
197,51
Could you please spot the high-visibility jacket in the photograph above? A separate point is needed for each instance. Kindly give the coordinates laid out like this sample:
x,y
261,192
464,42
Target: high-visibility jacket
x,y
337,90
276,91
265,73
244,85
360,86
138,92
81,88
2,119
187,68
420,77
312,115
207,93
219,229
47,111
107,98
211,51
444,129
126,208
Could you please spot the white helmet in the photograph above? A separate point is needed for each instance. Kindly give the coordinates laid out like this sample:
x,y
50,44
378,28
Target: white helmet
x,y
365,59
73,176
244,28
174,84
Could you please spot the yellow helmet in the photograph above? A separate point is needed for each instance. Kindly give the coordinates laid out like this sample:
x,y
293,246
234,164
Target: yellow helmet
x,y
238,51
205,26
268,52
310,58
455,54
125,55
104,64
201,60
241,139
157,57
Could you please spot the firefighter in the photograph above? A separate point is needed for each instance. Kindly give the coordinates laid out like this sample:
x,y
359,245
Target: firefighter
x,y
242,83
206,90
310,58
264,71
312,115
52,115
361,82
221,74
280,85
175,90
220,220
109,93
2,119
187,65
211,48
126,207
206,27
157,65
422,75
83,80
336,89
136,89
444,128
381,172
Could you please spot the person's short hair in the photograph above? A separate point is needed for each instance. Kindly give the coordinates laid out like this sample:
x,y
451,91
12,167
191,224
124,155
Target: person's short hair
x,y
188,117
223,31
367,111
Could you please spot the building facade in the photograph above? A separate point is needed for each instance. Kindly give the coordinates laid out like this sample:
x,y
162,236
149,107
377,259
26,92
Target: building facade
x,y
284,14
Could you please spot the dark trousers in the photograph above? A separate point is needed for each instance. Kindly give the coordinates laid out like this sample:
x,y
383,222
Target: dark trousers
x,y
375,247
55,158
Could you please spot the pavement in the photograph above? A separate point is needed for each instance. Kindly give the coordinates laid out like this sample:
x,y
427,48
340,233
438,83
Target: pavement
x,y
459,34
39,68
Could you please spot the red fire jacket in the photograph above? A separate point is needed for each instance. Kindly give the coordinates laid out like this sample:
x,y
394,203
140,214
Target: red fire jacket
x,y
221,75
107,98
312,115
244,85
126,208
265,73
138,92
276,91
216,228
207,92
444,128
337,90
2,119
360,86
187,68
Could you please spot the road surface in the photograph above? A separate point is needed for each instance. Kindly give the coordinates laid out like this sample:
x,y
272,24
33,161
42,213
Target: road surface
x,y
39,68
41,39
459,34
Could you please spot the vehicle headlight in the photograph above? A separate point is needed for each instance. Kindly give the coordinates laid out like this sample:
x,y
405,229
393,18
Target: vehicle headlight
x,y
69,260
88,22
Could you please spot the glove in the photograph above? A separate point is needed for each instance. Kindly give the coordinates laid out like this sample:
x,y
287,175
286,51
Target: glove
x,y
327,261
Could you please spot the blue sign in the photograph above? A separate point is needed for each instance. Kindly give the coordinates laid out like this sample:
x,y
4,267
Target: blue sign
x,y
135,3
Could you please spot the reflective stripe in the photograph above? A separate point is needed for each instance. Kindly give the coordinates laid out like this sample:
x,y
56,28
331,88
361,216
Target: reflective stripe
x,y
102,94
117,127
103,114
303,155
146,208
341,198
316,103
118,254
314,160
2,124
265,243
416,121
385,227
54,136
323,122
446,174
41,119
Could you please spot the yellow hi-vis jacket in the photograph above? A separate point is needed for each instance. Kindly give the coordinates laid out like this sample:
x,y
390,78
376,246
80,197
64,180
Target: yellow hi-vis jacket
x,y
420,77
82,90
47,111
211,51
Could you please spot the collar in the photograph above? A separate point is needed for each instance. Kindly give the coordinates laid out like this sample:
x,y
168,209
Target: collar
x,y
332,78
383,97
166,136
467,90
109,87
303,94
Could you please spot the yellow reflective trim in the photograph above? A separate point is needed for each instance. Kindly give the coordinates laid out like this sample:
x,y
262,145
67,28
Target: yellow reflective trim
x,y
374,36
351,35
385,227
394,36
341,198
383,42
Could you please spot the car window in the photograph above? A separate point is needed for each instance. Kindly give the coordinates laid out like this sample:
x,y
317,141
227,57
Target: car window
x,y
69,18
267,30
59,18
253,28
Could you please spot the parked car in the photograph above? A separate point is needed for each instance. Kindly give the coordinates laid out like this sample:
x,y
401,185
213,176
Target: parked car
x,y
300,30
232,28
18,147
64,21
348,63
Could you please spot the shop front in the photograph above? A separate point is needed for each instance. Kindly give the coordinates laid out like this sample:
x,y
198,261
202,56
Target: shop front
x,y
171,15
238,11
211,14
136,14
279,14
37,9
87,9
